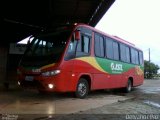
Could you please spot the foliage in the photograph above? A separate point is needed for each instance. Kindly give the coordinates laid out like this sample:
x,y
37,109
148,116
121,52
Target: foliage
x,y
150,69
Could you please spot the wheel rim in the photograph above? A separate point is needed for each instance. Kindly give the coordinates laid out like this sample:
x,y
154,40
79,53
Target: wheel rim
x,y
82,89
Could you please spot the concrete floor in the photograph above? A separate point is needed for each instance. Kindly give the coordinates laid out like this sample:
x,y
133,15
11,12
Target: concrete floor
x,y
28,104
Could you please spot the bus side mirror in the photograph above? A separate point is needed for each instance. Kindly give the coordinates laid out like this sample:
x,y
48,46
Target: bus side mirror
x,y
77,35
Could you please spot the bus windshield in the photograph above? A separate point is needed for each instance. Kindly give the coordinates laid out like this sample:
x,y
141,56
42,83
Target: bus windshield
x,y
45,49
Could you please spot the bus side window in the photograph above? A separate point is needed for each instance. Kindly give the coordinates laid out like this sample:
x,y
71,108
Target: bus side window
x,y
140,58
109,48
134,56
128,57
99,45
83,47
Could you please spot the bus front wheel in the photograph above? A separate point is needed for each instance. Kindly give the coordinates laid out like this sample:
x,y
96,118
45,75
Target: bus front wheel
x,y
82,88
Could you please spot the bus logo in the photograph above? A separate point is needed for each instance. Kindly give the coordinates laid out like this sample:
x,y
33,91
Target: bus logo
x,y
116,67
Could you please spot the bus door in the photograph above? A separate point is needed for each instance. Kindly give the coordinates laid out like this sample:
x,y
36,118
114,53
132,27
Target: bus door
x,y
83,51
77,54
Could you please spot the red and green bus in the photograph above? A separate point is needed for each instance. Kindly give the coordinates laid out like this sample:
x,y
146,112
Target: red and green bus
x,y
78,58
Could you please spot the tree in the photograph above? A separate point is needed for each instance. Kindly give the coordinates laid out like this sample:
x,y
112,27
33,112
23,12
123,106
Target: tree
x,y
150,69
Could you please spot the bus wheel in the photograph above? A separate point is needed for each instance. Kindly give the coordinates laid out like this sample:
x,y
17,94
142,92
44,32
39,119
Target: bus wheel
x,y
82,88
129,86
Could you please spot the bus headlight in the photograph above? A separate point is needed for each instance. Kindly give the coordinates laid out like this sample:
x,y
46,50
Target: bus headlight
x,y
19,83
51,86
51,73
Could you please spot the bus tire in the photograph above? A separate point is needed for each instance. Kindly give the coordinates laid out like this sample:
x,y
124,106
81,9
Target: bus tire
x,y
128,87
82,88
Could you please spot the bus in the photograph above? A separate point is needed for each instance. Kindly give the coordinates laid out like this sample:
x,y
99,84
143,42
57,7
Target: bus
x,y
79,58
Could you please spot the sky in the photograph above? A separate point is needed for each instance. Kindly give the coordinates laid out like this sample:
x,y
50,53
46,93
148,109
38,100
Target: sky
x,y
137,21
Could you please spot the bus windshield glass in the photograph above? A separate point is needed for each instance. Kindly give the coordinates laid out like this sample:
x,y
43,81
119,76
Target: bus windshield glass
x,y
45,49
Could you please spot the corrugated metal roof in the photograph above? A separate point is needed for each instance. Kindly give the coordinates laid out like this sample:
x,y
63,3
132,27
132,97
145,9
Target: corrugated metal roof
x,y
21,18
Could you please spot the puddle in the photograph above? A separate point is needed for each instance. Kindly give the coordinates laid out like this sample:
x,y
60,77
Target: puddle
x,y
151,90
154,104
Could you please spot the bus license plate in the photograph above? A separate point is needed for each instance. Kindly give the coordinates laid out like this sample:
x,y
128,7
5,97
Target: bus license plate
x,y
29,78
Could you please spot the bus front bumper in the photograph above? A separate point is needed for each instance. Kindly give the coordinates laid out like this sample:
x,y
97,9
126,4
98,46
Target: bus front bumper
x,y
49,84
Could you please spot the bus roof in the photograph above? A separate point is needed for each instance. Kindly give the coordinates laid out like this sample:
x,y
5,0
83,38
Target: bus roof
x,y
120,39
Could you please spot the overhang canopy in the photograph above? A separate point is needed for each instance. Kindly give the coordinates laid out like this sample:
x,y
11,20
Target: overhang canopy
x,y
21,18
